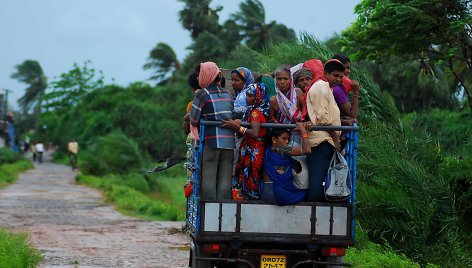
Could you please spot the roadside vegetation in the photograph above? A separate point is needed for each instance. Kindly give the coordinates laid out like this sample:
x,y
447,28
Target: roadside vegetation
x,y
133,195
15,249
415,162
11,165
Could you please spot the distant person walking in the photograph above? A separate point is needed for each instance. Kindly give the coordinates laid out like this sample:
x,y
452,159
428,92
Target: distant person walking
x,y
33,151
72,150
39,151
26,147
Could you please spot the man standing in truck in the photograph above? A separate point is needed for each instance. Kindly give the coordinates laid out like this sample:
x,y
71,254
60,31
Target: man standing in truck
x,y
214,103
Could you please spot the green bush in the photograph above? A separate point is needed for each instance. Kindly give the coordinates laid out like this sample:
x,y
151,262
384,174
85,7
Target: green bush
x,y
15,251
137,182
113,153
9,172
452,130
8,156
130,200
91,164
400,201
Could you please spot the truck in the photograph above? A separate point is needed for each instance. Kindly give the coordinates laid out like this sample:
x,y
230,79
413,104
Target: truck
x,y
251,233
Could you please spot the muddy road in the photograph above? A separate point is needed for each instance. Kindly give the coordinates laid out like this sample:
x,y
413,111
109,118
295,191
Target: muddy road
x,y
72,226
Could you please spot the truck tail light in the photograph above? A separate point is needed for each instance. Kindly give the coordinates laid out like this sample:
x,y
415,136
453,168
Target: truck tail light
x,y
214,248
333,252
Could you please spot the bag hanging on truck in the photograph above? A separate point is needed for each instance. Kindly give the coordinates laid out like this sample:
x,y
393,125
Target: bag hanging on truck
x,y
338,183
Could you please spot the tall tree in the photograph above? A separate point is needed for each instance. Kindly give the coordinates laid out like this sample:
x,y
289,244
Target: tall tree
x,y
68,90
442,33
31,73
197,17
257,34
163,60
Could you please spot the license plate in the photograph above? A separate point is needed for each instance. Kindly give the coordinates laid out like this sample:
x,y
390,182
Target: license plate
x,y
273,261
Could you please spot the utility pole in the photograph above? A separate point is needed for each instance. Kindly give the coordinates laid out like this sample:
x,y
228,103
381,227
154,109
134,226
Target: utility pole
x,y
5,113
5,108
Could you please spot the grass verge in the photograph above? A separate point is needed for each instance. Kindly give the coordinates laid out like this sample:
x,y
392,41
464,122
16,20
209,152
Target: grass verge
x,y
133,202
15,251
9,172
367,254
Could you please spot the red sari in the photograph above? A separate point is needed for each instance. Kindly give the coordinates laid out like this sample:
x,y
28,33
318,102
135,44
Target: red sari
x,y
249,169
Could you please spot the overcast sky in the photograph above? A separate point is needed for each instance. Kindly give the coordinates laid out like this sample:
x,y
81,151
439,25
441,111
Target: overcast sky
x,y
117,35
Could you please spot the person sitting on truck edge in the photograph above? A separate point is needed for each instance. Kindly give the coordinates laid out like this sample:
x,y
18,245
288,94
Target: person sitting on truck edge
x,y
322,111
213,103
280,168
248,171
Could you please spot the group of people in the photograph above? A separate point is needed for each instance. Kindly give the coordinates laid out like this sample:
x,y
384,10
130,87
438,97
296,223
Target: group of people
x,y
259,163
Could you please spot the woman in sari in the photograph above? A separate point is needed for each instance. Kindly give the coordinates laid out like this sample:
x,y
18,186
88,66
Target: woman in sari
x,y
248,172
241,78
286,104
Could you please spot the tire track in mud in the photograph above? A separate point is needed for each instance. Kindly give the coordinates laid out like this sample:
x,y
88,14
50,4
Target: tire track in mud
x,y
72,227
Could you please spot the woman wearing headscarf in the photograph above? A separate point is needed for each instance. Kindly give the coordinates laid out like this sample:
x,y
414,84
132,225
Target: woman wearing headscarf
x,y
249,168
285,105
302,79
241,78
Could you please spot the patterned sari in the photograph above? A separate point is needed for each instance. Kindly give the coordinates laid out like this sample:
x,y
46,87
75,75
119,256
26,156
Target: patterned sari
x,y
249,168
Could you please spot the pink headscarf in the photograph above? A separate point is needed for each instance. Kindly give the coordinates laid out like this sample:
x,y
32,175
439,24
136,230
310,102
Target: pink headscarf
x,y
208,72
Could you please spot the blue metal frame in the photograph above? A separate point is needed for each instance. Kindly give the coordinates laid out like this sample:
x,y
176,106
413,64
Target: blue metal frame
x,y
351,157
193,202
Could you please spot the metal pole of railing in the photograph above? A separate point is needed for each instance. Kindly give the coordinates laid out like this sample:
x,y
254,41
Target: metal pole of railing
x,y
287,126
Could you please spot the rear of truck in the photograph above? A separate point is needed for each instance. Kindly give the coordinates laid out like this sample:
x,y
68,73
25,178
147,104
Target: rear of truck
x,y
237,234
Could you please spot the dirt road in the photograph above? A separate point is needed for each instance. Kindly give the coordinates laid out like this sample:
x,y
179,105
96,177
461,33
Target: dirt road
x,y
72,226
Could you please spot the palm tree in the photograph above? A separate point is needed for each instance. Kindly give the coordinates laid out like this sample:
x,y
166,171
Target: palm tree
x,y
259,35
163,60
198,17
31,73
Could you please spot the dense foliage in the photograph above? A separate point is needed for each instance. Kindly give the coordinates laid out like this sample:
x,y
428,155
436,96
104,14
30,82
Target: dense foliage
x,y
9,170
442,35
139,111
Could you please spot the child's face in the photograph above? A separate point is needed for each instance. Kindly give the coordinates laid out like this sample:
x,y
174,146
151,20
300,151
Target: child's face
x,y
281,140
250,99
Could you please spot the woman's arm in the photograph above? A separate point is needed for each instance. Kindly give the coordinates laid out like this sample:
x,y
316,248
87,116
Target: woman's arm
x,y
235,124
355,98
306,148
186,124
273,108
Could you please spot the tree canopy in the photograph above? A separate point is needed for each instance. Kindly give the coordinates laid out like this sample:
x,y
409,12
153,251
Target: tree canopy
x,y
442,33
163,60
31,73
